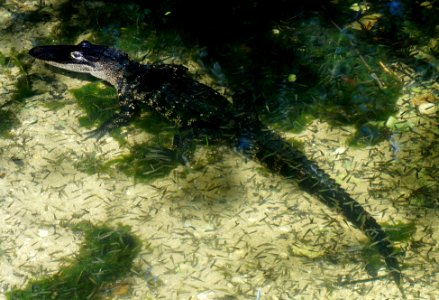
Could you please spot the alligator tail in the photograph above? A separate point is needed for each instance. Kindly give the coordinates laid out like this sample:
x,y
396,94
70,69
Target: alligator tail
x,y
281,157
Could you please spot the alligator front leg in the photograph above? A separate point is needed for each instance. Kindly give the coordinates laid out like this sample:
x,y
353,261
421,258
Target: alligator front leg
x,y
128,110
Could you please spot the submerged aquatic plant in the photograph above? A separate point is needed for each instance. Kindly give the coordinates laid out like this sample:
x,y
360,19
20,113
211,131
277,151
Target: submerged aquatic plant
x,y
352,86
106,255
10,105
398,233
98,101
146,162
8,120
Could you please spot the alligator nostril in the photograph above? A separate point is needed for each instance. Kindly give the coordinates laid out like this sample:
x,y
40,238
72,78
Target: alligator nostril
x,y
34,51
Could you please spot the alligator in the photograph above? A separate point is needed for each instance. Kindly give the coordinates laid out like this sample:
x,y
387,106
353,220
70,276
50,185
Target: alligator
x,y
170,90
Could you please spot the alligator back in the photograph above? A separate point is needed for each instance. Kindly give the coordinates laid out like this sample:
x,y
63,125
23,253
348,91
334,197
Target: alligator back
x,y
173,93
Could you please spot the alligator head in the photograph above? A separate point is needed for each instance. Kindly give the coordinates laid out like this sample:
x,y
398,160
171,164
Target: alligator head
x,y
99,61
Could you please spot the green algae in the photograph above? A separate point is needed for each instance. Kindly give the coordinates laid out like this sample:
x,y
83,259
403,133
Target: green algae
x,y
397,233
347,87
98,100
3,60
23,86
425,196
22,90
143,163
106,255
91,164
8,120
400,232
55,105
122,25
368,134
146,162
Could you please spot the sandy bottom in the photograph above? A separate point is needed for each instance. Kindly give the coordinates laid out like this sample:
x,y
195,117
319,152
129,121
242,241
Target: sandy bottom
x,y
226,230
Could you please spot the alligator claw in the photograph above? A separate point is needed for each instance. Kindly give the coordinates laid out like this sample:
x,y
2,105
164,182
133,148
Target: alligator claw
x,y
95,134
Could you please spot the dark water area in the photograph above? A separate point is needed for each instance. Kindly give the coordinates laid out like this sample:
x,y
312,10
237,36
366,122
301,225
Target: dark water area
x,y
351,84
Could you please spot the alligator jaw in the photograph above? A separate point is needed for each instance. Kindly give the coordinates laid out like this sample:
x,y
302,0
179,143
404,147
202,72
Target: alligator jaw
x,y
60,57
99,61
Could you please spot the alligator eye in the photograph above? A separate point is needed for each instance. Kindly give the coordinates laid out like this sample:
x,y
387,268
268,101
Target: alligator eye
x,y
85,44
76,55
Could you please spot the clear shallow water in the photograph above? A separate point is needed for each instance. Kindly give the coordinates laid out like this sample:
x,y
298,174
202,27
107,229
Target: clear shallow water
x,y
224,227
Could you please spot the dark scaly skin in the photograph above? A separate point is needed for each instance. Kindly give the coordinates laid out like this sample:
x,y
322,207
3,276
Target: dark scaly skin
x,y
170,90
281,157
